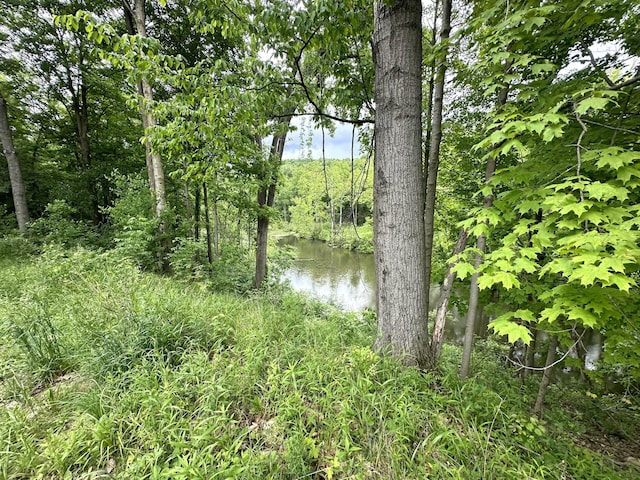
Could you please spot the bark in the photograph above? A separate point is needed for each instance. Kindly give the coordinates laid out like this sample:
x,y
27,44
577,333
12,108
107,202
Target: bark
x,y
474,293
354,203
196,219
82,124
398,186
266,197
216,230
136,18
15,174
432,81
434,145
207,223
546,377
196,214
156,160
80,114
581,352
131,30
443,304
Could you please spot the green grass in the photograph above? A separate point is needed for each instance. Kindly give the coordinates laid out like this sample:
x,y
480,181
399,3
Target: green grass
x,y
110,373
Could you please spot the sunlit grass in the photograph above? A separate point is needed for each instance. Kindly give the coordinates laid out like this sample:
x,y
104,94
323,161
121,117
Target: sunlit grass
x,y
118,374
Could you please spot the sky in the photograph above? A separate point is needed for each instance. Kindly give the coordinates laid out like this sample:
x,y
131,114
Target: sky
x,y
338,146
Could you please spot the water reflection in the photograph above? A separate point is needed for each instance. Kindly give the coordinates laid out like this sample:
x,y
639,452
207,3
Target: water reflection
x,y
339,276
334,275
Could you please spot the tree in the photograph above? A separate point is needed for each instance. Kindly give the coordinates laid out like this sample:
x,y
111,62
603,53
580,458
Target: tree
x,y
562,231
136,15
398,189
435,139
15,174
266,198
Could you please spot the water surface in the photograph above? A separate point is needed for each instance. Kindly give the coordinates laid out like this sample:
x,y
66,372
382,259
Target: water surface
x,y
334,275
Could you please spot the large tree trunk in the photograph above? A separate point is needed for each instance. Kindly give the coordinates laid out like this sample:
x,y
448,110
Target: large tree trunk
x,y
434,145
398,187
443,304
266,197
15,174
156,160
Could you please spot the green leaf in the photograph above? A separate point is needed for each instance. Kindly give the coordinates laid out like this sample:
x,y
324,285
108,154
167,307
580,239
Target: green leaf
x,y
551,314
605,191
538,68
588,275
625,173
463,270
595,103
584,316
551,132
507,279
532,22
514,331
525,265
623,282
614,264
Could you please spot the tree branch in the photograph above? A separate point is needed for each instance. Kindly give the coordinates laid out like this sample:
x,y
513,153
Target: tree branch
x,y
307,93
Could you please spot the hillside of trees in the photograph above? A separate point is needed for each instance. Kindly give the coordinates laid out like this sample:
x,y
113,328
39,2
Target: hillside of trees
x,y
499,156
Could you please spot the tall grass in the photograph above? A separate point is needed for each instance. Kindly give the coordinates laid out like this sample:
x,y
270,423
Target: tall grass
x,y
116,374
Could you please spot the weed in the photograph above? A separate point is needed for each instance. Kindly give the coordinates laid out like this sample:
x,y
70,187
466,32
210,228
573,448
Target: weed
x,y
172,381
41,341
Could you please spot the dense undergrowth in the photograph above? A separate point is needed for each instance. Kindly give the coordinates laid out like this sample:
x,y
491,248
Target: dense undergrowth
x,y
112,373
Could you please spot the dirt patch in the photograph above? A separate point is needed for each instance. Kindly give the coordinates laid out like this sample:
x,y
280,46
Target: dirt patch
x,y
622,451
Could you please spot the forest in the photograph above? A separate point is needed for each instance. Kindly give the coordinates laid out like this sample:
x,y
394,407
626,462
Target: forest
x,y
494,171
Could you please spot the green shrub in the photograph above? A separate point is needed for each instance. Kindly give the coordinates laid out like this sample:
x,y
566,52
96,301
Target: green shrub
x,y
57,225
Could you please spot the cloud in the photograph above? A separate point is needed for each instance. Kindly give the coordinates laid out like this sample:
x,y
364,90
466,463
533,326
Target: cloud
x,y
336,146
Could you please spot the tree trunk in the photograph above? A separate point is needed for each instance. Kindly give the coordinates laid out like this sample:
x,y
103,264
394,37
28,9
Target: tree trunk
x,y
216,230
546,377
15,174
434,145
196,219
354,203
136,18
81,110
207,223
474,291
196,214
266,197
581,352
443,303
398,187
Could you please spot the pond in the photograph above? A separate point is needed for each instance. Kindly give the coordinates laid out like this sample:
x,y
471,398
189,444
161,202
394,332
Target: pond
x,y
338,276
347,279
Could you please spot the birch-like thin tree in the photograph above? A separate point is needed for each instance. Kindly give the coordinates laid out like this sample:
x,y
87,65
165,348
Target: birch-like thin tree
x,y
15,174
